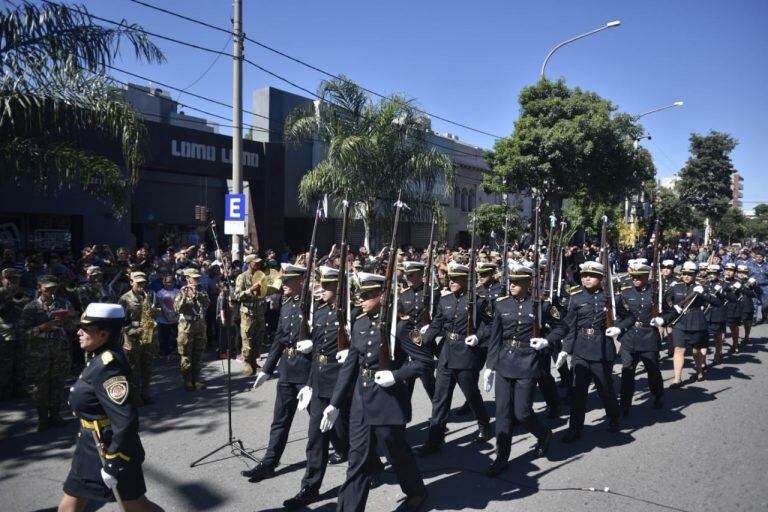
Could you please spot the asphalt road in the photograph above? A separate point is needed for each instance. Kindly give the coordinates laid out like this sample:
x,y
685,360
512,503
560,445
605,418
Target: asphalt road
x,y
707,450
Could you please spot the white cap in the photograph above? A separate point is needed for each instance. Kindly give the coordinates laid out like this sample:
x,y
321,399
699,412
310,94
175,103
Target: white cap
x,y
689,266
517,271
291,270
592,267
639,269
457,269
486,266
328,274
668,263
370,281
413,266
98,312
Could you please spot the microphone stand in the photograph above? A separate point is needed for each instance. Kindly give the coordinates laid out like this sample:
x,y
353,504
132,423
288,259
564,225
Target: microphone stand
x,y
234,444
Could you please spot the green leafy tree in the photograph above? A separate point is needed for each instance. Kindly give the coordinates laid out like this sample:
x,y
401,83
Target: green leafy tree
x,y
490,222
569,143
375,150
757,227
706,179
55,92
588,216
731,226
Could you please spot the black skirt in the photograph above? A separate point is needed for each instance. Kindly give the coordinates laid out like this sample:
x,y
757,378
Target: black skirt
x,y
693,339
84,479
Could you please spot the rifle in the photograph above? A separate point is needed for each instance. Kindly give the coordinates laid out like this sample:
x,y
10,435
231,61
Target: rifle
x,y
610,309
342,342
536,327
655,282
427,278
559,259
386,347
505,271
471,284
306,293
549,270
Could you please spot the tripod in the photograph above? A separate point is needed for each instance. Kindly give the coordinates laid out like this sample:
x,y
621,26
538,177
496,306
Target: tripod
x,y
235,445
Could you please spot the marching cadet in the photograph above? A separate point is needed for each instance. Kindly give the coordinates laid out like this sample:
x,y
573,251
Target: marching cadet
x,y
45,321
295,359
516,356
191,304
139,337
411,307
715,315
749,292
12,357
252,313
591,347
667,279
689,327
316,394
380,404
733,293
460,361
640,340
108,455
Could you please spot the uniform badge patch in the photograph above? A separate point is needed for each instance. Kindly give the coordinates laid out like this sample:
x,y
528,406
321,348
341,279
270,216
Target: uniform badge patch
x,y
117,389
107,357
555,313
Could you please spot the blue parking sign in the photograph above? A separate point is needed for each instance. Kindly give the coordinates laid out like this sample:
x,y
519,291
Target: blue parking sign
x,y
234,214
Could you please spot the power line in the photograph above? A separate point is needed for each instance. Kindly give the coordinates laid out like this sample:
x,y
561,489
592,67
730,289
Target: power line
x,y
308,65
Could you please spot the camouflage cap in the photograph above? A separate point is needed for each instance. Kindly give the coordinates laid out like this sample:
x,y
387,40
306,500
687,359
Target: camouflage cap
x,y
48,281
192,272
139,277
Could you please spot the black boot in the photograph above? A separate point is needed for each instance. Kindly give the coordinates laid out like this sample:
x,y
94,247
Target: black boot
x,y
483,433
542,445
496,468
464,410
260,472
302,499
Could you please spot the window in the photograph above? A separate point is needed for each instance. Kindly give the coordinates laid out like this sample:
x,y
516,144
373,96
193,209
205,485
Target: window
x,y
464,197
472,200
456,197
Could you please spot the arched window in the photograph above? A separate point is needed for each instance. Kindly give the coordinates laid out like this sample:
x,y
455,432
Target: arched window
x,y
464,197
472,200
456,197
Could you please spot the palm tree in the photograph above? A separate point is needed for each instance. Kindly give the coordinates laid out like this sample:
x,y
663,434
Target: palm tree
x,y
374,152
55,91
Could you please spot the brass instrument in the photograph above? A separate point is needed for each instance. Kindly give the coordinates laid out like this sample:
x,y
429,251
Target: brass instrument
x,y
147,323
270,282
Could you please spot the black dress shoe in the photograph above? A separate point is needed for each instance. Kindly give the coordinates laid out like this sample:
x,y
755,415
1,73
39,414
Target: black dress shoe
x,y
676,385
553,413
542,445
571,435
302,499
464,409
337,458
658,403
427,448
412,503
376,479
259,473
613,425
483,434
496,468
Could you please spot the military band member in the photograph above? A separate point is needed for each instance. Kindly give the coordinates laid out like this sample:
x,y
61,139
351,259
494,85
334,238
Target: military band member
x,y
689,326
715,315
316,394
93,290
667,280
252,313
108,455
749,292
732,307
514,362
139,336
640,339
48,353
591,347
460,361
12,341
295,360
191,303
380,404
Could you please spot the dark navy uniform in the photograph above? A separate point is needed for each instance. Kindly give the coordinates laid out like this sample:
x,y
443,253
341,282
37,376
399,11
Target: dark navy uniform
x,y
715,315
592,355
322,379
100,399
293,368
690,329
378,414
518,366
731,306
639,342
410,306
457,362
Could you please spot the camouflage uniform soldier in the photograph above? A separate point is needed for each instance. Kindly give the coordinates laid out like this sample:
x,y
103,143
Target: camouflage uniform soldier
x,y
140,347
93,290
12,301
48,354
252,314
191,304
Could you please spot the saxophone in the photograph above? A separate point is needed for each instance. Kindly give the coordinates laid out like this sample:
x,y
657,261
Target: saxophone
x,y
147,322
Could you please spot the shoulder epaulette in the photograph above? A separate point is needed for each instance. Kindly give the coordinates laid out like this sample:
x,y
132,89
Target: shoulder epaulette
x,y
503,297
361,315
321,306
443,293
404,289
573,290
626,288
107,357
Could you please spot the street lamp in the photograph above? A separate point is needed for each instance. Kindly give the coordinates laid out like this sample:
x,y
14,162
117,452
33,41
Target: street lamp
x,y
549,55
675,104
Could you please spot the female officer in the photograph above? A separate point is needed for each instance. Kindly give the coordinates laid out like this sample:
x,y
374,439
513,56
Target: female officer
x,y
112,470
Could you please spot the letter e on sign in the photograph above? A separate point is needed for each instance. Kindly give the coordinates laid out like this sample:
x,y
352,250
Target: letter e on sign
x,y
234,214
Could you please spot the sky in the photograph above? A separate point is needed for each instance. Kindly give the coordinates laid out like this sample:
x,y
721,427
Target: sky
x,y
468,61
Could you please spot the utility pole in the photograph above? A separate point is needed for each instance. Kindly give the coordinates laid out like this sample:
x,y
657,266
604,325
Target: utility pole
x,y
237,115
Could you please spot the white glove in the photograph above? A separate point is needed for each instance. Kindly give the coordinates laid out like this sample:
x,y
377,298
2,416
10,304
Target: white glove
x,y
304,346
423,330
488,378
698,289
329,418
341,356
613,332
471,341
562,357
108,479
384,378
304,396
657,322
718,288
678,309
737,285
260,378
751,280
539,343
